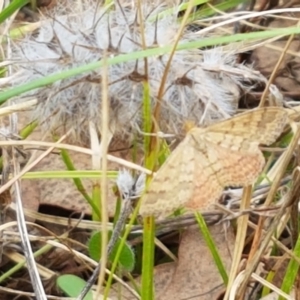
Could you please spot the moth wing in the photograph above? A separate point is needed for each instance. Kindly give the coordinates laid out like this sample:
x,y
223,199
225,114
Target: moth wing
x,y
207,188
186,173
262,125
234,167
172,185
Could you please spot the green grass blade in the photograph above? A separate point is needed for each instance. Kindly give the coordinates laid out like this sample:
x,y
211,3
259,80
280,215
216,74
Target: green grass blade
x,y
91,174
78,183
147,288
15,91
291,272
210,243
223,6
119,251
11,8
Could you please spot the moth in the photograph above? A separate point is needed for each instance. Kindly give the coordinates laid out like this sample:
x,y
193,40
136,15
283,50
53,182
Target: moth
x,y
209,159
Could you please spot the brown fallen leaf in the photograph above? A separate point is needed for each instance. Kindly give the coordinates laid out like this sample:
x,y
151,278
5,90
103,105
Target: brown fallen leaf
x,y
194,275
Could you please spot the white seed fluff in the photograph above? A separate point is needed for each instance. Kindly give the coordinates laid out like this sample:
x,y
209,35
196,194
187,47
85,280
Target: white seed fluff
x,y
202,85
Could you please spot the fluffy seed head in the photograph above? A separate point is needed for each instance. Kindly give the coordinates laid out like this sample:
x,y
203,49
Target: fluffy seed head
x,y
202,85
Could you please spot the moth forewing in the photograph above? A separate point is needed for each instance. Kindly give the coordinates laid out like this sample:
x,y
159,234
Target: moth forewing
x,y
209,159
262,125
172,186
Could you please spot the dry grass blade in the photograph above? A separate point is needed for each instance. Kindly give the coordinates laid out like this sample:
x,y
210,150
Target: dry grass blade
x,y
5,196
17,107
30,261
211,158
274,224
264,282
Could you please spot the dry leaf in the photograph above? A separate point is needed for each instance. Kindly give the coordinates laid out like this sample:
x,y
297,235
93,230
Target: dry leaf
x,y
211,158
196,275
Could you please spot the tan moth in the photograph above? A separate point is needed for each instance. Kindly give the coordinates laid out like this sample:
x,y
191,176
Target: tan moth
x,y
209,159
